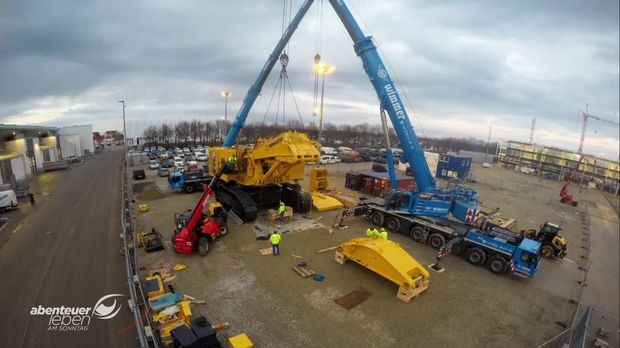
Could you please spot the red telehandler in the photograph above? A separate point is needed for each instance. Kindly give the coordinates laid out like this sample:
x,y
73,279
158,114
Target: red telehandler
x,y
566,197
190,233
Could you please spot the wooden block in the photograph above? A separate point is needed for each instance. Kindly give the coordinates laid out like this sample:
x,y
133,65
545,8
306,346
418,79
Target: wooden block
x,y
326,249
340,258
266,251
407,294
304,271
221,327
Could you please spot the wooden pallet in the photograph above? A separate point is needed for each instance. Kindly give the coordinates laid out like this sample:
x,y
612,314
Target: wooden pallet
x,y
304,271
266,251
407,294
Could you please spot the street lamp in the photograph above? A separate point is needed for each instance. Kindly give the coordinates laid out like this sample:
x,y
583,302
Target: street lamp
x,y
124,127
225,93
322,69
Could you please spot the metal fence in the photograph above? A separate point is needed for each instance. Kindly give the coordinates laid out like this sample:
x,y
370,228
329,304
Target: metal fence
x,y
142,317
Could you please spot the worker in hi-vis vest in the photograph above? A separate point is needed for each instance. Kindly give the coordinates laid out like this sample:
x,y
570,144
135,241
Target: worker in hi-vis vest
x,y
275,239
232,161
282,210
383,234
372,232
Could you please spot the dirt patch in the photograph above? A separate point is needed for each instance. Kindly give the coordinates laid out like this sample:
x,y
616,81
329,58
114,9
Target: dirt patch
x,y
150,194
138,187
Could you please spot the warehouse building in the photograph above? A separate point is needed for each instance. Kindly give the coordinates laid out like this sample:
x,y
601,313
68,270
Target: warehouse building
x,y
557,164
24,149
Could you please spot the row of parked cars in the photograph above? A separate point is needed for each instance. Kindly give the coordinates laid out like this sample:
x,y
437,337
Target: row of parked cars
x,y
349,155
170,160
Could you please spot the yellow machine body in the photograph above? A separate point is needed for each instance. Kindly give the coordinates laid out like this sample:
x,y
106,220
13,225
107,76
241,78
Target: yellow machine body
x,y
322,202
318,179
271,161
157,290
172,317
387,259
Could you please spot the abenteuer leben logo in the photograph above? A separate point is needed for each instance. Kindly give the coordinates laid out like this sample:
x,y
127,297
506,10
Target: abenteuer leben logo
x,y
78,318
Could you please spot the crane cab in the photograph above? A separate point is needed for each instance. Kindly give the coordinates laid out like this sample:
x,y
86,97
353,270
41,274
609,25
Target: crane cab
x,y
526,258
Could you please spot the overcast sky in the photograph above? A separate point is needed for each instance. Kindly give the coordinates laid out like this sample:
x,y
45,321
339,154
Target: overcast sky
x,y
462,64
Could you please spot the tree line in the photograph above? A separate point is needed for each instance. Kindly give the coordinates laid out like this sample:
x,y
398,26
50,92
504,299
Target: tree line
x,y
359,135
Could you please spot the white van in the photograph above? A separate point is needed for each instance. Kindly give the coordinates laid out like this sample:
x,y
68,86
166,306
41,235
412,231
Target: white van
x,y
8,200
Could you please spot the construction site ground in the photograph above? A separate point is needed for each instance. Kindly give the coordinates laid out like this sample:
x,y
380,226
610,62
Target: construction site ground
x,y
465,306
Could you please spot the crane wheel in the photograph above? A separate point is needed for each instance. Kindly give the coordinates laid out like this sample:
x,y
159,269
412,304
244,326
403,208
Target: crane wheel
x,y
417,234
189,188
498,265
547,251
436,240
203,246
377,218
393,224
476,256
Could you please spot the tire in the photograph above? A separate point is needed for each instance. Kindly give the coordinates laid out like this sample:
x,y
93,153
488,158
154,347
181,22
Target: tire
x,y
223,230
574,203
377,218
436,240
417,234
547,251
189,188
498,265
393,224
203,246
476,256
305,202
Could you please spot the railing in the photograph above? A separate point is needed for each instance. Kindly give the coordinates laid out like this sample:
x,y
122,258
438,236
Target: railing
x,y
141,314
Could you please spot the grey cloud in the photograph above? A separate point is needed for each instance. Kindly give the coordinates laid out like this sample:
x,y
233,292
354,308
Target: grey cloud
x,y
170,59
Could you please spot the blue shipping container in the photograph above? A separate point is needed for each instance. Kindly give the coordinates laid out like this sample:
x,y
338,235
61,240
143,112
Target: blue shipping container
x,y
453,167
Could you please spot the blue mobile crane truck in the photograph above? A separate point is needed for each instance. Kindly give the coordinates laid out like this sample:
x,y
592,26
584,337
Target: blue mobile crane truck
x,y
428,214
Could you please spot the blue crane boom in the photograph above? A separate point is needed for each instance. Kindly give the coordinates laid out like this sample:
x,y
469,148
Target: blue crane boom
x,y
428,200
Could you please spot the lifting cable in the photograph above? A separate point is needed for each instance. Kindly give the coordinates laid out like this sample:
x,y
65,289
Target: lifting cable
x,y
384,57
283,80
317,57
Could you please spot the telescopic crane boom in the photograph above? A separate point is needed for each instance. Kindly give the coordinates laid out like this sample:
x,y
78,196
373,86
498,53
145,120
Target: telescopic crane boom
x,y
428,200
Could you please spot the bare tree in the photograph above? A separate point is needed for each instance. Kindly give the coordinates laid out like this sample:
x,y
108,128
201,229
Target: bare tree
x,y
194,130
151,133
165,133
182,130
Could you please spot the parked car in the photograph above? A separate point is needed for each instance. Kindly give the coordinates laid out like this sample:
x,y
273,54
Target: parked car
x,y
73,159
153,164
178,162
152,156
166,164
337,159
163,171
324,159
8,200
201,157
139,174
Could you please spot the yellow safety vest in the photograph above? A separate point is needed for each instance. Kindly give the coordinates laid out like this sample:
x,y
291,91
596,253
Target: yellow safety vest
x,y
369,232
383,235
275,239
232,159
282,208
375,232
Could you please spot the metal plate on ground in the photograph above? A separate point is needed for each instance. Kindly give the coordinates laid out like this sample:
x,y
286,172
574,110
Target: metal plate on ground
x,y
353,298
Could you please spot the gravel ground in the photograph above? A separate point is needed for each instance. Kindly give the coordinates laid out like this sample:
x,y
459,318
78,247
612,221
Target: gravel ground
x,y
465,306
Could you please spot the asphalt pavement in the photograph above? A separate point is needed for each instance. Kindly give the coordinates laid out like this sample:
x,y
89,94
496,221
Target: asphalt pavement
x,y
65,252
